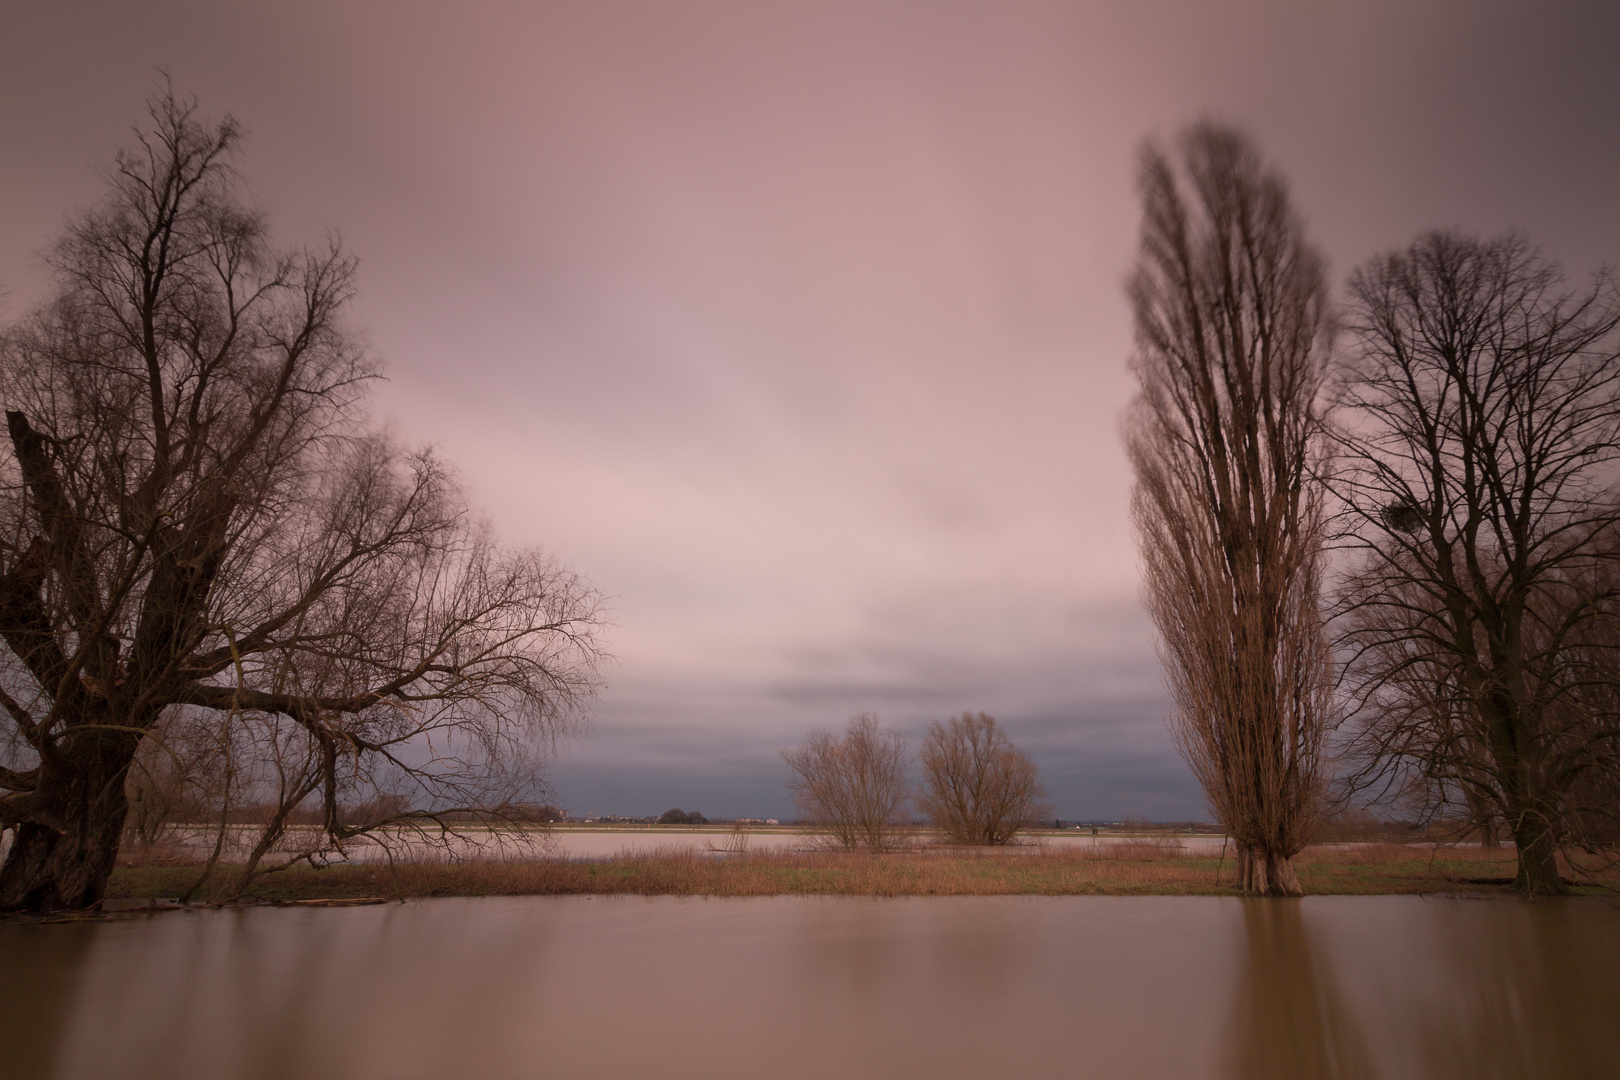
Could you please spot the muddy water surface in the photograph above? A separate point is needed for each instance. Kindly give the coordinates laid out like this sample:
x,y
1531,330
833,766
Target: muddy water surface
x,y
823,987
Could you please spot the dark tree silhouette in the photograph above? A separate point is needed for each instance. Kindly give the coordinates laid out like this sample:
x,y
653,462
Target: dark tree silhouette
x,y
1480,440
194,517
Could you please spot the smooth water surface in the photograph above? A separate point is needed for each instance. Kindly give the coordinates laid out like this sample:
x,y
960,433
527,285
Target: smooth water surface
x,y
675,987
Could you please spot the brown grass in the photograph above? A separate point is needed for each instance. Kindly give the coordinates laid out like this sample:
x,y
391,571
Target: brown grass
x,y
1139,849
1118,870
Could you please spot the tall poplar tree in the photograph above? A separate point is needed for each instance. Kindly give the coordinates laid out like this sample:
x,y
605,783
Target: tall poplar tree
x,y
1232,334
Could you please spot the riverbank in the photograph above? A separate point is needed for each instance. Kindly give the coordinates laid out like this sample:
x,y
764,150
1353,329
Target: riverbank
x,y
1120,870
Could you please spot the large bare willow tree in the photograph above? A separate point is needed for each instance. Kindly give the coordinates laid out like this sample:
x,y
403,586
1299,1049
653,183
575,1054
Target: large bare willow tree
x,y
195,520
1481,442
1232,329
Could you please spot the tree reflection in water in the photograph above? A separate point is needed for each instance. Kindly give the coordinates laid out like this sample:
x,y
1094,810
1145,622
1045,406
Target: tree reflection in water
x,y
1535,993
1468,989
1292,1022
1143,987
39,973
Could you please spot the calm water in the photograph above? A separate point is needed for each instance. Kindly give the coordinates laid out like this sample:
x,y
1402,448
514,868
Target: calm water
x,y
823,987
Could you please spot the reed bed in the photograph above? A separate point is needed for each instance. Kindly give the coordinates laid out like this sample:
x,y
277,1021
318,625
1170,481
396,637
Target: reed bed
x,y
1157,869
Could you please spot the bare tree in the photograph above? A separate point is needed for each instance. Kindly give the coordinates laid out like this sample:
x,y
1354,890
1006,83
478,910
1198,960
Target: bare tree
x,y
175,778
853,786
1591,714
193,515
1232,334
1481,435
978,788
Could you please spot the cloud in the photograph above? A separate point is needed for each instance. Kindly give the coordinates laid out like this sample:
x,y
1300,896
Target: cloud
x,y
1080,693
799,329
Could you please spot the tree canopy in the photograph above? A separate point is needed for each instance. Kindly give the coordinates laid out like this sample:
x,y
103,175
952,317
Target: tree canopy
x,y
198,523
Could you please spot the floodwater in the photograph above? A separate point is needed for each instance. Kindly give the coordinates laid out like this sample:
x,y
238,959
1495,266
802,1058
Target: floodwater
x,y
605,843
675,987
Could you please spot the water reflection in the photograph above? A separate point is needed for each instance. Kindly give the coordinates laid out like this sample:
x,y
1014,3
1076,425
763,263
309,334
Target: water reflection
x,y
1534,996
40,969
802,986
1406,986
1292,1022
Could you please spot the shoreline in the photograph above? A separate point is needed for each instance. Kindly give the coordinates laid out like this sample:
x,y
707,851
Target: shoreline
x,y
1328,870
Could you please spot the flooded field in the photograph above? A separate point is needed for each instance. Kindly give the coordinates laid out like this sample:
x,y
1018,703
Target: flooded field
x,y
824,987
605,843
602,843
596,843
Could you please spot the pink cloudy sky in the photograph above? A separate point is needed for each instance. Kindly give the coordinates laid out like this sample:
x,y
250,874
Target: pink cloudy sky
x,y
798,327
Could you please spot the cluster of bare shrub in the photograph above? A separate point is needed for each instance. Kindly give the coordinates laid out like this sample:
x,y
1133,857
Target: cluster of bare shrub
x,y
977,787
1458,459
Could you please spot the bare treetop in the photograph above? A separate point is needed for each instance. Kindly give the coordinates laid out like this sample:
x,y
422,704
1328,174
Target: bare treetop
x,y
1491,394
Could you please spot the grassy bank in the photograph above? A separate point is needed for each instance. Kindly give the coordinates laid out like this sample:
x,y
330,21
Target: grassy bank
x,y
1143,869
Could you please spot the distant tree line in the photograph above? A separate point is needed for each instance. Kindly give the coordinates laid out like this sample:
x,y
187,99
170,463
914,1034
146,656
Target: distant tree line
x,y
1387,531
977,787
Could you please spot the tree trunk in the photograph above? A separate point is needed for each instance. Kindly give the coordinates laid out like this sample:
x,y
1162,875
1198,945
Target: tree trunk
x,y
1482,811
1284,880
1538,858
1529,824
1247,871
1263,873
49,869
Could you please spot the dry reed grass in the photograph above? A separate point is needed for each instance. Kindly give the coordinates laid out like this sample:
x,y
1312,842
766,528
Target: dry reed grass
x,y
1121,869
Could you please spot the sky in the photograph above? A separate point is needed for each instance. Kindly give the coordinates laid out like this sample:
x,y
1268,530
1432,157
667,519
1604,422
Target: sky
x,y
799,328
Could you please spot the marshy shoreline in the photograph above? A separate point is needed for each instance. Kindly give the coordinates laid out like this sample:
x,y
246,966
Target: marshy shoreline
x,y
1143,867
